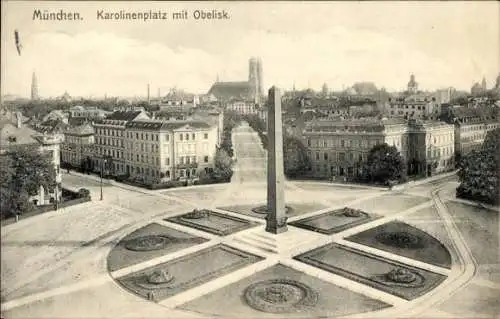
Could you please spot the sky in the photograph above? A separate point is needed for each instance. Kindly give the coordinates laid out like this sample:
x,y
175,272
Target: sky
x,y
302,43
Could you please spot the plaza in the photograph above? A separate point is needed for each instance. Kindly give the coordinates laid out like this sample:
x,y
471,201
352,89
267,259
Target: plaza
x,y
142,253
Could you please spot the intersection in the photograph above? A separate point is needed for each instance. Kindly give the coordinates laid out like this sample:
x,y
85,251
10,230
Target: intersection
x,y
56,264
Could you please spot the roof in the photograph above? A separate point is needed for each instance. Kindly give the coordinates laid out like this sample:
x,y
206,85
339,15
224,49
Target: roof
x,y
123,115
352,124
166,125
23,135
84,129
228,90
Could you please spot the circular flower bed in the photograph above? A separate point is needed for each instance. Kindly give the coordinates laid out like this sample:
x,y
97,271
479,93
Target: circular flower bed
x,y
401,277
197,214
148,243
158,279
401,240
351,212
280,296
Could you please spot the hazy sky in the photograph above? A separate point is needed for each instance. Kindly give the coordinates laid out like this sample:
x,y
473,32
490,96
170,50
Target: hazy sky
x,y
442,43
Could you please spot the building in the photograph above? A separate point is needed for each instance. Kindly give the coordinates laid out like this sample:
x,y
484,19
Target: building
x,y
16,135
34,87
241,106
415,106
412,86
444,96
110,141
340,148
89,112
159,151
250,90
471,126
75,149
431,148
56,115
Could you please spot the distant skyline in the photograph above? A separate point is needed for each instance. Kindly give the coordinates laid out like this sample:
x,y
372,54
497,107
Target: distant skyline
x,y
443,43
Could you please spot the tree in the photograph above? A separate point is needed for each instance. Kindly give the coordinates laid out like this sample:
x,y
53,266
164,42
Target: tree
x,y
7,172
479,172
222,166
296,160
385,164
24,170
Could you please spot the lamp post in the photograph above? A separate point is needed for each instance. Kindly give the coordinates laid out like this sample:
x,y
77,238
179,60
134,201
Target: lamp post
x,y
58,181
102,168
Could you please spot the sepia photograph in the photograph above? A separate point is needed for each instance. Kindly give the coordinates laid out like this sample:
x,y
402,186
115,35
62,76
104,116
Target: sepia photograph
x,y
250,159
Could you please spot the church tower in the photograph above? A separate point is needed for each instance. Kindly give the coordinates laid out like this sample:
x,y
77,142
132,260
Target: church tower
x,y
412,85
34,87
484,88
255,79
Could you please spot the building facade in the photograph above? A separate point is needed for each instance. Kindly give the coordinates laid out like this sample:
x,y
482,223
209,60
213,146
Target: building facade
x,y
241,106
340,148
90,113
110,141
74,150
471,126
160,151
416,106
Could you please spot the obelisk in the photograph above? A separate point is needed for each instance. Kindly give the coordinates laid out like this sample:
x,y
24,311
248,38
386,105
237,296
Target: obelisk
x,y
276,216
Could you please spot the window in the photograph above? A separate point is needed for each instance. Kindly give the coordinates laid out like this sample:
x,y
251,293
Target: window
x,y
137,157
205,136
187,137
136,136
167,137
205,159
317,156
142,158
156,136
325,144
325,156
193,136
181,137
308,142
167,161
342,143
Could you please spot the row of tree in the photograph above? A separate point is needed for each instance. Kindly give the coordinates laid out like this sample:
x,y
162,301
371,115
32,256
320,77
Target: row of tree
x,y
23,170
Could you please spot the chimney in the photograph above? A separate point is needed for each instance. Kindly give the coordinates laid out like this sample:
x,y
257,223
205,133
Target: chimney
x,y
19,118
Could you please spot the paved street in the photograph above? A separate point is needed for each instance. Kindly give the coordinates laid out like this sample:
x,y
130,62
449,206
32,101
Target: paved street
x,y
56,263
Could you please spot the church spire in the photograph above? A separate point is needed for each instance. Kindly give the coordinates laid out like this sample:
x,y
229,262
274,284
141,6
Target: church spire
x,y
34,87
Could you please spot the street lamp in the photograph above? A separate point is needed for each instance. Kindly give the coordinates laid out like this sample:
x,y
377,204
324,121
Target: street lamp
x,y
58,181
102,167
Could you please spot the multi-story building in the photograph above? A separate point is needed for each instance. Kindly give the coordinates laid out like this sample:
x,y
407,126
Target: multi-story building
x,y
431,148
76,142
89,113
415,106
110,140
471,126
341,147
158,151
241,106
